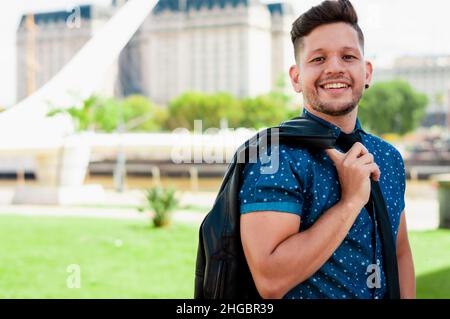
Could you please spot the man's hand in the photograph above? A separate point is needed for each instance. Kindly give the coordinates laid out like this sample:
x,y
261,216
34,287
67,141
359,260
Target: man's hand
x,y
354,169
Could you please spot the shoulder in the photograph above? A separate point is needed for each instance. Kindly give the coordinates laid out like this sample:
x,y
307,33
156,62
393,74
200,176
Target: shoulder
x,y
383,149
279,158
274,183
388,158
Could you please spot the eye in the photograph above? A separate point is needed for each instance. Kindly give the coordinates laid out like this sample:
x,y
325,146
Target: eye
x,y
318,59
349,57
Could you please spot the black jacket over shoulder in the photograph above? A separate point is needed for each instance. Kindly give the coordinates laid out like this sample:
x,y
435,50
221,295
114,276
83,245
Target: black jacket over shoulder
x,y
221,268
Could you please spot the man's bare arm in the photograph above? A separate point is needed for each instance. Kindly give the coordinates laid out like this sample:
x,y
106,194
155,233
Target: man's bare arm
x,y
280,257
405,262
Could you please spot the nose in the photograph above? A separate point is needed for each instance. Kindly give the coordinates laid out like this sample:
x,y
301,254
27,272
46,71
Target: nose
x,y
334,64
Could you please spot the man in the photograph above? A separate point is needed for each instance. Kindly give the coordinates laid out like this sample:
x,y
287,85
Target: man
x,y
337,253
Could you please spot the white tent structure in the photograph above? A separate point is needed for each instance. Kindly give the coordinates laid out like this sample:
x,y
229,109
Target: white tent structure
x,y
26,129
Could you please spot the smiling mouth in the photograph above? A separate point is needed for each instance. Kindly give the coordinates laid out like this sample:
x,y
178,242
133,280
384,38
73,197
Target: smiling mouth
x,y
335,89
335,86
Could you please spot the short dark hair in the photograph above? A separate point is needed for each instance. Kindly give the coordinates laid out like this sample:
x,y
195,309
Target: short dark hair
x,y
325,13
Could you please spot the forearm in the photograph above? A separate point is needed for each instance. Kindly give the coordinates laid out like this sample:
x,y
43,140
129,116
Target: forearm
x,y
312,247
406,275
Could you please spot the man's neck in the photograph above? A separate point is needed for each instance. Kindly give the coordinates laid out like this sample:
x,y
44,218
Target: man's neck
x,y
346,123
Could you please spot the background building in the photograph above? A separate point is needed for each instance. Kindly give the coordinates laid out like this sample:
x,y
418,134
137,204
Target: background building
x,y
47,41
238,46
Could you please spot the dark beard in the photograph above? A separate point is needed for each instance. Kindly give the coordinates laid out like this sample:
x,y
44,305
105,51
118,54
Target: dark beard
x,y
325,108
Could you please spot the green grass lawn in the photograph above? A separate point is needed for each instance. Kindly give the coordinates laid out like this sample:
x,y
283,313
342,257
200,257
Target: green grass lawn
x,y
117,258
431,253
130,259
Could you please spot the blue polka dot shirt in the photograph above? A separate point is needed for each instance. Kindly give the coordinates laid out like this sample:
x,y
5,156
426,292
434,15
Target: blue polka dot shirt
x,y
306,183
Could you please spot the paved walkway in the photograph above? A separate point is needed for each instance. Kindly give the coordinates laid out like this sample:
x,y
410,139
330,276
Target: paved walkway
x,y
421,213
88,212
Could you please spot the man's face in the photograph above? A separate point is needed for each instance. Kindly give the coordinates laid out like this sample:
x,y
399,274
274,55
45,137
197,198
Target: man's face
x,y
331,70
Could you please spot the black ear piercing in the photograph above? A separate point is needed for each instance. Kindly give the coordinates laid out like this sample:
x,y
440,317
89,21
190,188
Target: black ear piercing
x,y
367,86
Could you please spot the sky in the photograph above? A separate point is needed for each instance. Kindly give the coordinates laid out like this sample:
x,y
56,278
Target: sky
x,y
391,28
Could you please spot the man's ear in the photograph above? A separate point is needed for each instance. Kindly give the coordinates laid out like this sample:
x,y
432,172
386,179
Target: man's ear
x,y
294,73
368,75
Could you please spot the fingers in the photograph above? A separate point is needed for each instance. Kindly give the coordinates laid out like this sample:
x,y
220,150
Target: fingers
x,y
365,159
368,160
357,150
374,170
335,155
358,155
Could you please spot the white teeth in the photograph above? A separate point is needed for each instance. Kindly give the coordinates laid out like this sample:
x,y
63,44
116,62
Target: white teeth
x,y
335,86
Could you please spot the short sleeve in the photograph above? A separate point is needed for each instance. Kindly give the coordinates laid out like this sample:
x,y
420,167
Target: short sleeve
x,y
273,184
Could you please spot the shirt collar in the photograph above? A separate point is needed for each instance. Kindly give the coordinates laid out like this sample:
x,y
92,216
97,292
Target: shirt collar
x,y
336,129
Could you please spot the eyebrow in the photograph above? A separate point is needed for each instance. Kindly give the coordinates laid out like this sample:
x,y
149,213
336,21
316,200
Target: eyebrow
x,y
321,50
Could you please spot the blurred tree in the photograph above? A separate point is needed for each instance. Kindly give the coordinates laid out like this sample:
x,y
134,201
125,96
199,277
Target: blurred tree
x,y
190,106
140,114
107,114
266,110
136,113
82,117
392,107
254,112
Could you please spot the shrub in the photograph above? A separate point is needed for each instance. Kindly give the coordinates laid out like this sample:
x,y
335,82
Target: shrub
x,y
162,202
